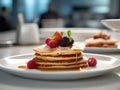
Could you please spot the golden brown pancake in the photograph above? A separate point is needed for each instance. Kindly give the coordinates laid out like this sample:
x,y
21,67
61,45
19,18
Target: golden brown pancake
x,y
59,57
48,59
55,52
111,43
60,63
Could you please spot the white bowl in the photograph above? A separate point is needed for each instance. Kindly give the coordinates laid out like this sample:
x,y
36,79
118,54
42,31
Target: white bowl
x,y
113,24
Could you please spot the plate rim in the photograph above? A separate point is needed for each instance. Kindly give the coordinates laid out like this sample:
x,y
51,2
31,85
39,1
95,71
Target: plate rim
x,y
59,72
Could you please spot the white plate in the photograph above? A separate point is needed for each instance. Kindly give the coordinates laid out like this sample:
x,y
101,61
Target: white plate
x,y
102,50
105,64
97,50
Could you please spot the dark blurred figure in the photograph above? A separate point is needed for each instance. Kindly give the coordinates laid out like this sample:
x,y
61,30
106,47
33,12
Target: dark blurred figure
x,y
50,14
5,23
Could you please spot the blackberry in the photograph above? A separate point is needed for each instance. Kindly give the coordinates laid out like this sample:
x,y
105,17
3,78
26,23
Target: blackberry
x,y
64,42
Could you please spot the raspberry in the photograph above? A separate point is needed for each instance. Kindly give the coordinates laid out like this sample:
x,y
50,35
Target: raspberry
x,y
96,36
103,36
58,36
53,43
92,62
31,64
47,40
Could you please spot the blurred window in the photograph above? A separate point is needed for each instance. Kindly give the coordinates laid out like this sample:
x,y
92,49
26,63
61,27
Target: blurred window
x,y
34,8
6,3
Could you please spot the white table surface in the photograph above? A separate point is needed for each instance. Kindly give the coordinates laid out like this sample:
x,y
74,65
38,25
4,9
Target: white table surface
x,y
109,81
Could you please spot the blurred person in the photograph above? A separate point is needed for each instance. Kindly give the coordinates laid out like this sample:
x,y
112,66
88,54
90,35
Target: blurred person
x,y
50,14
5,23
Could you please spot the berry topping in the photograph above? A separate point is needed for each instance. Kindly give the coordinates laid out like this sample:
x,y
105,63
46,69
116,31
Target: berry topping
x,y
47,40
59,40
53,43
92,62
31,64
64,42
105,36
101,35
95,36
57,36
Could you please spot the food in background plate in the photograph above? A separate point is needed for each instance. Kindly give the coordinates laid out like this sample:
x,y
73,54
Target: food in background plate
x,y
59,54
101,40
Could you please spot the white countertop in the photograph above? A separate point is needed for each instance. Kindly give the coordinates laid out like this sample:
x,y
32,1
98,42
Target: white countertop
x,y
110,81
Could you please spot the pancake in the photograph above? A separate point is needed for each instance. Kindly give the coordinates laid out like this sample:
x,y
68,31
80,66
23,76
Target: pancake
x,y
57,60
78,66
62,67
111,43
59,57
63,62
100,41
56,52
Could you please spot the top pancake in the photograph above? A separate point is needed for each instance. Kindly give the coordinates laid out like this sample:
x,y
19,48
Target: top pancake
x,y
55,52
92,41
58,52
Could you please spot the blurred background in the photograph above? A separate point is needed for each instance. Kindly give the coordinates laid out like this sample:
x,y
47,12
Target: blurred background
x,y
69,13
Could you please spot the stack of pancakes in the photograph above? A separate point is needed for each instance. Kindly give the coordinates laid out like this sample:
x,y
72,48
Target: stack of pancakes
x,y
59,60
111,43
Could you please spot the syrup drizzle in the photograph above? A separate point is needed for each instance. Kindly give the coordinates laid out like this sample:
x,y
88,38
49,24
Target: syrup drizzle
x,y
22,67
76,58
